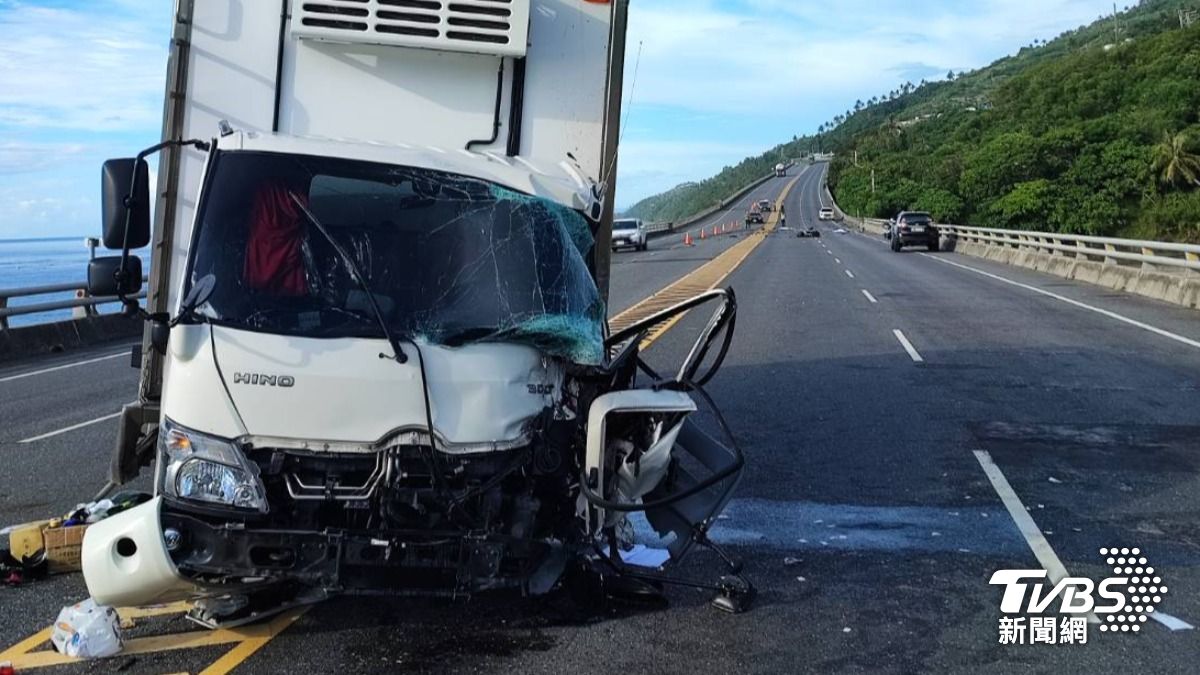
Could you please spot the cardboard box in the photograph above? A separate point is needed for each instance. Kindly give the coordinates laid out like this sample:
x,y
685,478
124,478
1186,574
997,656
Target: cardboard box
x,y
25,540
64,547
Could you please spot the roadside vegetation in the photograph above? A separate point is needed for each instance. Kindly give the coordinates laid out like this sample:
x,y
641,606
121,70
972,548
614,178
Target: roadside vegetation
x,y
1096,132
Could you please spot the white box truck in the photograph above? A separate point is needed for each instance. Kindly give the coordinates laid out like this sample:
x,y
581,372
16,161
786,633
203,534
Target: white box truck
x,y
376,356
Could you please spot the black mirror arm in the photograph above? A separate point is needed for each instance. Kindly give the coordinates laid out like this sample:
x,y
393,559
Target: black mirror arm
x,y
131,305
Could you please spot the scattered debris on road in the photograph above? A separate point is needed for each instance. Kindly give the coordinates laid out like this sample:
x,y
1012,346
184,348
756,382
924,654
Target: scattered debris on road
x,y
54,546
87,631
14,571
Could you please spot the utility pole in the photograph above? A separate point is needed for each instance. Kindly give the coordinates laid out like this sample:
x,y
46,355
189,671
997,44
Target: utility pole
x,y
872,182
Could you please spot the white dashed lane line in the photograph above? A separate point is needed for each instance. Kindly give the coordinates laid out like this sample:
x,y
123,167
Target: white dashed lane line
x,y
850,274
1041,548
1075,303
870,297
73,427
908,346
10,378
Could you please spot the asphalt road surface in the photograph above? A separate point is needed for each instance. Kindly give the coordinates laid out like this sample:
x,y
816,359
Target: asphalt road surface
x,y
872,392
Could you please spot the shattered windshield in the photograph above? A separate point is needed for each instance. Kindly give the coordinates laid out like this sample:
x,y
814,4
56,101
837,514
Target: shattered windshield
x,y
449,259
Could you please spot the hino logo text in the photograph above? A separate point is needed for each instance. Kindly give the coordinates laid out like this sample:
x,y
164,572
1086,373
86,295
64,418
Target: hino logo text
x,y
264,380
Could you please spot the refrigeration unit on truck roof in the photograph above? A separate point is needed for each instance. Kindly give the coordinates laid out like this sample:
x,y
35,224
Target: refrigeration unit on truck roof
x,y
496,27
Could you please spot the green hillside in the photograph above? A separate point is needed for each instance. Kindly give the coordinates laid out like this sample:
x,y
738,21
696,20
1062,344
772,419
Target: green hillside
x,y
692,198
1094,132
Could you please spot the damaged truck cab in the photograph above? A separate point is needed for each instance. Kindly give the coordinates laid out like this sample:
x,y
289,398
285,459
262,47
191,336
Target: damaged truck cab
x,y
377,356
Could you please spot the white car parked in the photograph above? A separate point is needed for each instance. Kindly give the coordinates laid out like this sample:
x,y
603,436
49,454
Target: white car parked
x,y
629,232
827,214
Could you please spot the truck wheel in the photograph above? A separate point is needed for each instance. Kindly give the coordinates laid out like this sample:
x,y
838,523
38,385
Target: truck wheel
x,y
935,245
896,244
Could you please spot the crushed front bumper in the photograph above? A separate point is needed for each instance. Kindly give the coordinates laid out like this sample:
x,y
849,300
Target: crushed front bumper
x,y
126,562
212,558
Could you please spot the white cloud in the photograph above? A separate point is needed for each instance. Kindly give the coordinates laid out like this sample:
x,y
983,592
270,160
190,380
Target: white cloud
x,y
20,157
89,68
48,205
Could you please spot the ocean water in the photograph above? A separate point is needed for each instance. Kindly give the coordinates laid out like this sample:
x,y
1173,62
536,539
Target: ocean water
x,y
37,262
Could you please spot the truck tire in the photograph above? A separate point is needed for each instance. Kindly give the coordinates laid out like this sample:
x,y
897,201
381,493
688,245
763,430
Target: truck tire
x,y
896,244
935,245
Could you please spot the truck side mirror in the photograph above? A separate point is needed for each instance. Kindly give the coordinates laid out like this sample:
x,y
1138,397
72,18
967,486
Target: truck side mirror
x,y
103,273
125,191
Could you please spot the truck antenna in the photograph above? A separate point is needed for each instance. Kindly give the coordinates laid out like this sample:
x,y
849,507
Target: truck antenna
x,y
637,64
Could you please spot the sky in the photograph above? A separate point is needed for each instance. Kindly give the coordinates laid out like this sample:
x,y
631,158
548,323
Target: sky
x,y
708,83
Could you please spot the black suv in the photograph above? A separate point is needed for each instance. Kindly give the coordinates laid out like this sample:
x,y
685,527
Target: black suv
x,y
913,228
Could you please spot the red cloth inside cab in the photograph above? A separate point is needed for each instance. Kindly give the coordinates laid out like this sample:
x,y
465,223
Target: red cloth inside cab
x,y
274,259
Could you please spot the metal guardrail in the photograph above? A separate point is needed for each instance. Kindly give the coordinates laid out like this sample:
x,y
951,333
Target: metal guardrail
x,y
1109,250
1156,256
81,300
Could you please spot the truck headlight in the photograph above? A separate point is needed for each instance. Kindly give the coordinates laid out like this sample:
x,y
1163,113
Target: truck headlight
x,y
201,468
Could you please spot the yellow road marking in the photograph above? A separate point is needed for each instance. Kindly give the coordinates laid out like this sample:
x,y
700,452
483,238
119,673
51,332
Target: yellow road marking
x,y
128,613
246,640
234,657
704,278
32,642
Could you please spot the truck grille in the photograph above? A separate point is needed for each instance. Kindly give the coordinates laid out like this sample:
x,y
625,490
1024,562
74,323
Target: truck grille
x,y
495,27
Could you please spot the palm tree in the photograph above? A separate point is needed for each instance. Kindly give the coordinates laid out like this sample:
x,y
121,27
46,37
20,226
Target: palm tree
x,y
1174,162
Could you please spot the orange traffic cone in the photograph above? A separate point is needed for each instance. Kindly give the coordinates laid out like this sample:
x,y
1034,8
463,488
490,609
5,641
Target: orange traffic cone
x,y
687,239
703,233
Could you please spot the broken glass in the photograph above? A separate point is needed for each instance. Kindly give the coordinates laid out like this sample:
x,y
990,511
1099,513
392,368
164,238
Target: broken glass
x,y
450,259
